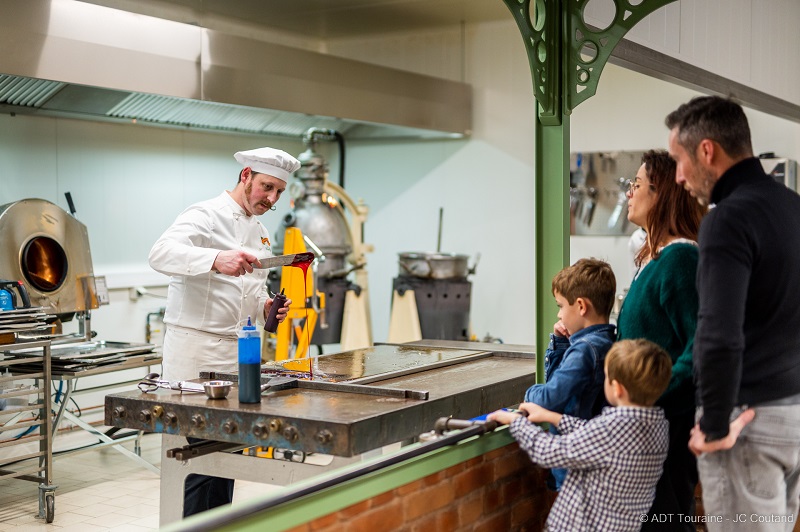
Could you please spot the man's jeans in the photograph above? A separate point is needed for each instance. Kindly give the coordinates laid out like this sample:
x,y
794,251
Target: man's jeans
x,y
755,485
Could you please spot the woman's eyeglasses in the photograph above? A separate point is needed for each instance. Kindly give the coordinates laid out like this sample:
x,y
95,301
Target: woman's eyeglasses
x,y
634,185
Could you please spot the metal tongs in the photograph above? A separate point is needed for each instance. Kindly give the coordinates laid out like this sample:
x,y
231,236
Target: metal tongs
x,y
153,382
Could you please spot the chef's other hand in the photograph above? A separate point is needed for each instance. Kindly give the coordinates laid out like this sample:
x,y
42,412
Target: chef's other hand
x,y
282,312
234,262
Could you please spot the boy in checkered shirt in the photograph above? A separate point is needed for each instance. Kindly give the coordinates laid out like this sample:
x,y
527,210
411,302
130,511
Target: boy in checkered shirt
x,y
615,459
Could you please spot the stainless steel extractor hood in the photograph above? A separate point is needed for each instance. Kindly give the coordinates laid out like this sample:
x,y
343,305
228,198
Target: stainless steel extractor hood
x,y
70,58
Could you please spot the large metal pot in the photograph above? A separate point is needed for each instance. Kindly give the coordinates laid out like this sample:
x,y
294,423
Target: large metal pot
x,y
434,265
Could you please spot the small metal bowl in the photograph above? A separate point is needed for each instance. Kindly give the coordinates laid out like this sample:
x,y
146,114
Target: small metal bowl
x,y
217,389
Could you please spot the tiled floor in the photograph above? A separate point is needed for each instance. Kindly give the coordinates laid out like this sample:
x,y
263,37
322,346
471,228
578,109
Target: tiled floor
x,y
99,489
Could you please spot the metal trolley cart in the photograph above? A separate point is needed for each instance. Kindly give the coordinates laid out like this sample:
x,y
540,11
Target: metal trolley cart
x,y
41,470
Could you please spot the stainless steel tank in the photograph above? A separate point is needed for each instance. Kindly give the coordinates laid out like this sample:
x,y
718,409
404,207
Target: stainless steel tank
x,y
47,249
321,219
316,215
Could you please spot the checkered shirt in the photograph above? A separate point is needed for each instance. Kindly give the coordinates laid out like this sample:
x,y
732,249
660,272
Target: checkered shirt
x,y
614,463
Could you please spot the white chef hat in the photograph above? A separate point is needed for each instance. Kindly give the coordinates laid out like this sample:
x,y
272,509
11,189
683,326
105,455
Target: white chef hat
x,y
270,161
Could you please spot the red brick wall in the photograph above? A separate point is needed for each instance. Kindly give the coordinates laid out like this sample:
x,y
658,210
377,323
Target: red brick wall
x,y
501,490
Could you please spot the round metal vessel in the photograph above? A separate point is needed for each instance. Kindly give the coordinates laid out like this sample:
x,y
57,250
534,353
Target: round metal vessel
x,y
433,265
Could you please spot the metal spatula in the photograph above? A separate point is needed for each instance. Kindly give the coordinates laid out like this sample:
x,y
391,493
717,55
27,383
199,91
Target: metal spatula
x,y
285,260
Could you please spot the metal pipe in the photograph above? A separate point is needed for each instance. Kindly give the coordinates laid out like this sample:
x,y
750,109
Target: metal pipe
x,y
444,424
311,136
212,523
439,237
148,331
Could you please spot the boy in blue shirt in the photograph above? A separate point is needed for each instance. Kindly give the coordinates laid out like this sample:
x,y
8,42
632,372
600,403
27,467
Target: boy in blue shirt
x,y
581,337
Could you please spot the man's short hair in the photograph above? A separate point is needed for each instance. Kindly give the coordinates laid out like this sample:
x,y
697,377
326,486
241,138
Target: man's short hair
x,y
642,367
711,117
591,279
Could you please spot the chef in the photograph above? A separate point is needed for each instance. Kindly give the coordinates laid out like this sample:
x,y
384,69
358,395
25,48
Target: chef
x,y
208,252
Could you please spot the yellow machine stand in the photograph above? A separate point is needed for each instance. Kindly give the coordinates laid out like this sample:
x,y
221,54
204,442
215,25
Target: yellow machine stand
x,y
300,289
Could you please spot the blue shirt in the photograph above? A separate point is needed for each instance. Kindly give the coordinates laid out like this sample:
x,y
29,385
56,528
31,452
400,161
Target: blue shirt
x,y
574,371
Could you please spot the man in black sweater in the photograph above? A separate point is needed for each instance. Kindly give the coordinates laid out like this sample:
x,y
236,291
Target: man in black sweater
x,y
747,344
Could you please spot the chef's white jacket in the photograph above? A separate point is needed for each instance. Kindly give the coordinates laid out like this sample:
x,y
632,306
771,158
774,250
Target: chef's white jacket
x,y
204,307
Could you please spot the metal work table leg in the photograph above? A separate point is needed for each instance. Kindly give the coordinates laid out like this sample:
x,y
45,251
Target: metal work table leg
x,y
227,465
106,440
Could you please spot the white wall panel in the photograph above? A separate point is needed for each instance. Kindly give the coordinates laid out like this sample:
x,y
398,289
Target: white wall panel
x,y
776,46
752,42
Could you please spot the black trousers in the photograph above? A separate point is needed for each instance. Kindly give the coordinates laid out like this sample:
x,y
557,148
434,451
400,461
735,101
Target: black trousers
x,y
675,488
203,492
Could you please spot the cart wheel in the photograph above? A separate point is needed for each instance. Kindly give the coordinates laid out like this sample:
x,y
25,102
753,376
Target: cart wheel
x,y
50,506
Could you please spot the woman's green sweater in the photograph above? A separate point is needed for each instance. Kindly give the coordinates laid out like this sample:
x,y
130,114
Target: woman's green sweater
x,y
661,306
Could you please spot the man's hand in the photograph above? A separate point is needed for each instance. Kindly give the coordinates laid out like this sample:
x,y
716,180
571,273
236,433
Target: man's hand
x,y
559,329
234,262
282,312
697,439
538,414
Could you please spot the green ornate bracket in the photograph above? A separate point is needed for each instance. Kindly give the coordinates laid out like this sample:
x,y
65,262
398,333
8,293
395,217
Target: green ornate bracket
x,y
542,36
574,74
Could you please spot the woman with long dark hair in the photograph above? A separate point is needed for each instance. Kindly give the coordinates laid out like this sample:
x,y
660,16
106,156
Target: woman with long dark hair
x,y
661,306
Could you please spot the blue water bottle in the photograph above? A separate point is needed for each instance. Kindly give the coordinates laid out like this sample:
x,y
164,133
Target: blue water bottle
x,y
249,364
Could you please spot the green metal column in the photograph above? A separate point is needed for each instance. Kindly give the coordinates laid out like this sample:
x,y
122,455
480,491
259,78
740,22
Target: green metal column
x,y
551,218
566,58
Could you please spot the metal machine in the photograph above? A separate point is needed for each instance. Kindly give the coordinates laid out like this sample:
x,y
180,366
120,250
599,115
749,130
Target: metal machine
x,y
48,249
318,212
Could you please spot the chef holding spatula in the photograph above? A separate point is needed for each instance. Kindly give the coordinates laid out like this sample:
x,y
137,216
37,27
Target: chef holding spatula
x,y
210,252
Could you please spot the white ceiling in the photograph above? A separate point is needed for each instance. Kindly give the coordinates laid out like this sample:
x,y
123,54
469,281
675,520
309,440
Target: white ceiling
x,y
324,19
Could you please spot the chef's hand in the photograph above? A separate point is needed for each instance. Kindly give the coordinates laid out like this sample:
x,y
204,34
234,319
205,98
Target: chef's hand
x,y
697,439
234,262
282,312
560,329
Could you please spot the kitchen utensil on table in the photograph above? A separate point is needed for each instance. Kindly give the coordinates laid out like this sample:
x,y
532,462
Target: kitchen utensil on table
x,y
217,389
152,382
249,363
212,389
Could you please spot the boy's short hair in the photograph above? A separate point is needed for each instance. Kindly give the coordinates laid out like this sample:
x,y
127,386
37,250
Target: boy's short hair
x,y
591,279
642,367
